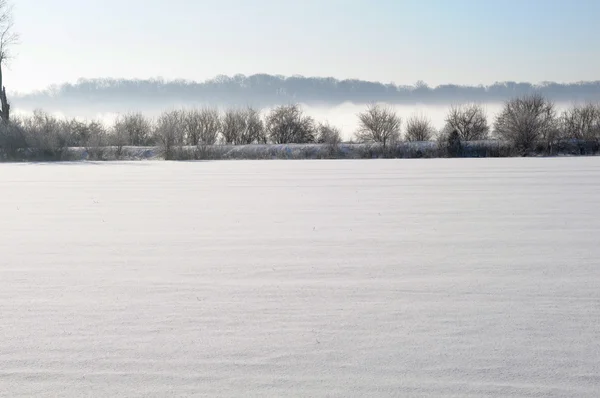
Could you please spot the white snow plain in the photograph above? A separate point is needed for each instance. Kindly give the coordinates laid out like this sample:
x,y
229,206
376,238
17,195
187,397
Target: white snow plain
x,y
465,278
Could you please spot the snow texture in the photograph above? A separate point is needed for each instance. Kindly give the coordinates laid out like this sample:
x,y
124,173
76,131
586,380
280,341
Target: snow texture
x,y
461,277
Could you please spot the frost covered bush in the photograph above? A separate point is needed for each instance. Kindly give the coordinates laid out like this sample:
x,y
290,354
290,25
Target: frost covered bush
x,y
581,122
233,125
287,124
378,124
46,136
527,121
97,142
329,136
469,121
132,129
169,133
419,128
254,128
89,135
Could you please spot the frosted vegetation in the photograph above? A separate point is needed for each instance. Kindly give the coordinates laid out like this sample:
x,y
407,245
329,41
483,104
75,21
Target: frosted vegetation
x,y
527,125
443,277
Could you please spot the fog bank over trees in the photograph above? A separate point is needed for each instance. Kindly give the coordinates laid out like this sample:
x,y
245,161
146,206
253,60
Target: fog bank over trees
x,y
262,90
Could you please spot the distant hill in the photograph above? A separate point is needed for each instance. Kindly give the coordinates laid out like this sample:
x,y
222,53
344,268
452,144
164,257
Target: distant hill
x,y
267,90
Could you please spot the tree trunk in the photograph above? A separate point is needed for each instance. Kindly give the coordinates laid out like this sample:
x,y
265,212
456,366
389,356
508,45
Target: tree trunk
x,y
4,105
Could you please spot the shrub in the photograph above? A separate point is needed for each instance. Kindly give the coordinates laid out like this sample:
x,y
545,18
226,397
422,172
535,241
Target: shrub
x,y
96,140
419,128
254,128
233,125
132,129
330,136
581,122
527,121
169,133
469,121
287,124
46,136
201,126
378,124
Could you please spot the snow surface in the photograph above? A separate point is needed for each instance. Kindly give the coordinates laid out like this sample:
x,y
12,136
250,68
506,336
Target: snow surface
x,y
471,277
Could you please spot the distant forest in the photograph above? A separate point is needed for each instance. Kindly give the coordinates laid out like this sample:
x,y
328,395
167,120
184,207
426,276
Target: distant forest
x,y
267,90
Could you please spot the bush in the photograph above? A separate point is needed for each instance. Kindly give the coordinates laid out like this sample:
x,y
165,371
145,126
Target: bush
x,y
233,125
330,136
254,128
581,122
132,129
287,124
527,121
419,128
46,137
169,133
469,121
96,141
201,126
378,125
243,127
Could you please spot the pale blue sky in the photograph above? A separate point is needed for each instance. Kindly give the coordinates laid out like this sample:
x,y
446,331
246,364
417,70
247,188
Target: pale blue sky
x,y
438,41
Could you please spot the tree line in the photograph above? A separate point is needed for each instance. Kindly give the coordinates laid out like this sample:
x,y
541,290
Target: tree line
x,y
526,123
267,90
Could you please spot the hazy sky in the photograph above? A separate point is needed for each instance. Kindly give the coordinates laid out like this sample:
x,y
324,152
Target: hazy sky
x,y
438,41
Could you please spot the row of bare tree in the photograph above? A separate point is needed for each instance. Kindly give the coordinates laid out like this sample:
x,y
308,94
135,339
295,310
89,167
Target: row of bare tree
x,y
523,122
381,124
205,127
172,129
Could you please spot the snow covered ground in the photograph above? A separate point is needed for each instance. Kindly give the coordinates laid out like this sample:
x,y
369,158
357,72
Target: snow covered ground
x,y
466,278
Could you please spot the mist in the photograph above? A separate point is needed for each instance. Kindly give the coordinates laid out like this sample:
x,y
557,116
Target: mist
x,y
323,98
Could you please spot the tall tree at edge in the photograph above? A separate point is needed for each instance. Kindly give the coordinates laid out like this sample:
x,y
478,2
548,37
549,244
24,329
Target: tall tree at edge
x,y
7,39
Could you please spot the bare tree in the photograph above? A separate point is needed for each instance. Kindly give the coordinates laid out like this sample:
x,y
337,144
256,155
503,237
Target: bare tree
x,y
378,124
192,126
327,133
469,120
526,121
581,122
133,129
233,126
118,137
83,133
8,38
96,140
78,131
254,128
242,127
202,126
419,128
169,132
287,124
330,136
46,135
